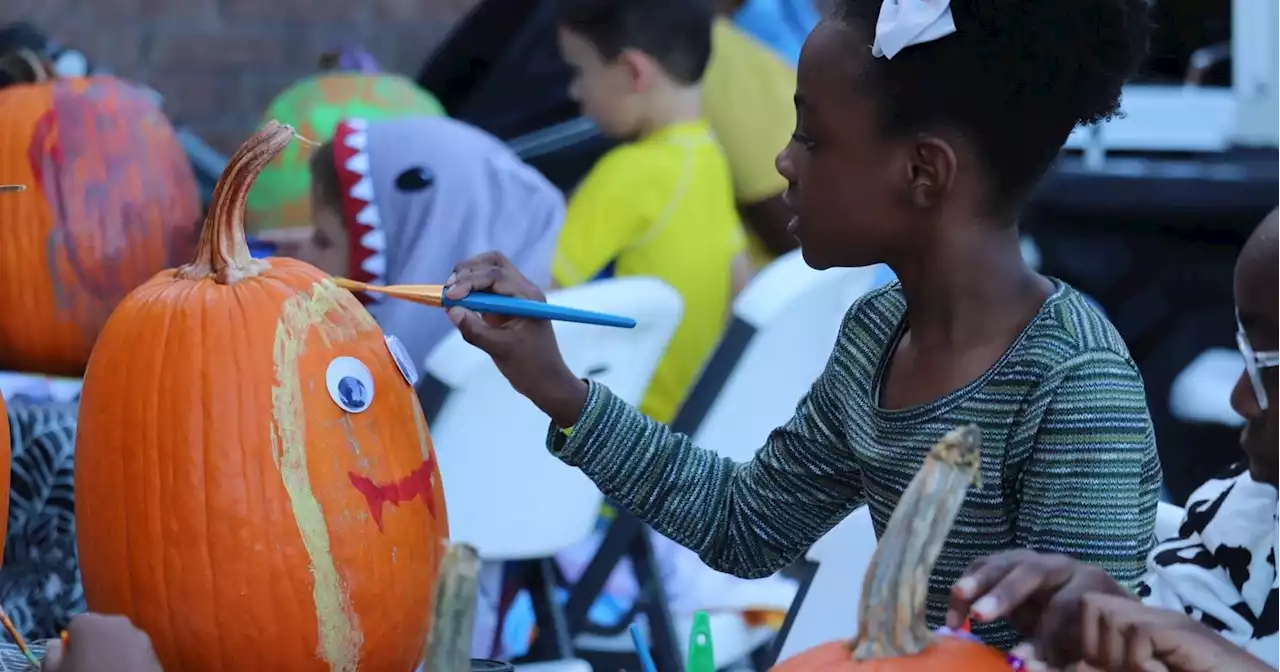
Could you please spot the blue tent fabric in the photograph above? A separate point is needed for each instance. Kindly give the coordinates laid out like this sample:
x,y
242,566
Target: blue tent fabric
x,y
783,25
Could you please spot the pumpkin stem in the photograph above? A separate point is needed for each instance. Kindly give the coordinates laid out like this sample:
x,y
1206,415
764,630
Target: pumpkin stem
x,y
892,623
223,252
449,645
25,66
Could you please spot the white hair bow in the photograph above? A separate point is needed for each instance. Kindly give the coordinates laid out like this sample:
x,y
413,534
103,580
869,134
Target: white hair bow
x,y
904,23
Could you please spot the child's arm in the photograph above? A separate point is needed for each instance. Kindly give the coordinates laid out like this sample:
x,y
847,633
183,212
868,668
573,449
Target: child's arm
x,y
746,519
749,519
1091,482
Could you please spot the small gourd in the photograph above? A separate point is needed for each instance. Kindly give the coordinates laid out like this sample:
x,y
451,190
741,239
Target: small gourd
x,y
892,633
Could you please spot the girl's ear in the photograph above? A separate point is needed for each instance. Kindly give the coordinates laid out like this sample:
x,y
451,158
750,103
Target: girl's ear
x,y
931,171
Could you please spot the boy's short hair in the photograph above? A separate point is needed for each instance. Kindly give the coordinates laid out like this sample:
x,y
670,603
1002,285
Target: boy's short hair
x,y
324,174
675,33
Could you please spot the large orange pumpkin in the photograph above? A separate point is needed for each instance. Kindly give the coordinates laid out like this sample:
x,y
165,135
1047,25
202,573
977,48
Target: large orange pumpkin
x,y
111,201
892,633
255,484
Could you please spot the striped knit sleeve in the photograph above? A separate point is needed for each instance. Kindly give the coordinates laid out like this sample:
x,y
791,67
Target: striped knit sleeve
x,y
749,519
1091,483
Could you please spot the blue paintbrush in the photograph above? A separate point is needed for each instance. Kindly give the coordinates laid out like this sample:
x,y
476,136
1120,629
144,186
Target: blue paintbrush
x,y
482,302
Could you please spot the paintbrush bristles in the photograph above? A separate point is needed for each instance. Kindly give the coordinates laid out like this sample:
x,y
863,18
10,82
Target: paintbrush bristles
x,y
449,645
430,295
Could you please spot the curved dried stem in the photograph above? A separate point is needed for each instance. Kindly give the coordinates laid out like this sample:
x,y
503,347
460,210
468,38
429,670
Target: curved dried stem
x,y
223,252
892,622
449,646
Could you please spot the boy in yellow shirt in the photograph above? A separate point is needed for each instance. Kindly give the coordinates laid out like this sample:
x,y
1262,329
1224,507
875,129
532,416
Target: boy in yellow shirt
x,y
661,205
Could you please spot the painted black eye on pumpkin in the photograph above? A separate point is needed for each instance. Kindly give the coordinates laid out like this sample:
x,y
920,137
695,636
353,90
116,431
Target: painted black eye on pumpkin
x,y
416,178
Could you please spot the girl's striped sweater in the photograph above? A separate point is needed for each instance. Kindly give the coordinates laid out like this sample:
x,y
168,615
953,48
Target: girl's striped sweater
x,y
1069,460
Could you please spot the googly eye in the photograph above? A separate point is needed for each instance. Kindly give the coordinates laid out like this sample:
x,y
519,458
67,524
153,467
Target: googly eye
x,y
403,362
350,384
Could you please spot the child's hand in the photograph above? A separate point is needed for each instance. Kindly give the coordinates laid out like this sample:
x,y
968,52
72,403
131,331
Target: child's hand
x,y
524,350
1039,594
97,642
1122,635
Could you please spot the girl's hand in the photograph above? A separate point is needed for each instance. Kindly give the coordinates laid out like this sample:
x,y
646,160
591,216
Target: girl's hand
x,y
97,642
1039,594
525,351
1122,635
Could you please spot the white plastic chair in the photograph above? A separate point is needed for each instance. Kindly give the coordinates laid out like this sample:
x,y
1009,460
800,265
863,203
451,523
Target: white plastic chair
x,y
796,312
507,495
829,608
1169,518
1202,391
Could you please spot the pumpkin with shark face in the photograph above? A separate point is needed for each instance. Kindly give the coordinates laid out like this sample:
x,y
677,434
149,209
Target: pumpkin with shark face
x,y
255,483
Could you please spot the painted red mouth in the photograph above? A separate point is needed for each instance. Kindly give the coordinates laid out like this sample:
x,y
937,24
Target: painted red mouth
x,y
416,484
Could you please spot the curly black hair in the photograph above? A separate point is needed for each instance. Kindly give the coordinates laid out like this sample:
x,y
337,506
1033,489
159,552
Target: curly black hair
x,y
1014,79
675,33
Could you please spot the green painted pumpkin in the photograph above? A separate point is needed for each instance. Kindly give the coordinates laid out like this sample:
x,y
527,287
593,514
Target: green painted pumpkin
x,y
314,106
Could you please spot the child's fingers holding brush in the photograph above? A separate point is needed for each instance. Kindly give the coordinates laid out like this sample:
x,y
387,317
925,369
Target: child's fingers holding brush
x,y
490,272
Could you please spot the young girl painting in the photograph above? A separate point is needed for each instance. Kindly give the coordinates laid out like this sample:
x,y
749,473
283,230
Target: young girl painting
x,y
922,127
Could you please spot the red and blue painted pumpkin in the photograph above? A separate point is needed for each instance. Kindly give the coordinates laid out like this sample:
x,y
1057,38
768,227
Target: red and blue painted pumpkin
x,y
110,201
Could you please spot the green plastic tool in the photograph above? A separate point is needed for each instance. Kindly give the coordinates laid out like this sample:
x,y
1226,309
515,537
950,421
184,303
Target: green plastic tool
x,y
701,653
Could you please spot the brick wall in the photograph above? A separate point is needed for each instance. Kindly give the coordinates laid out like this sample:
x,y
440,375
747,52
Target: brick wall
x,y
219,62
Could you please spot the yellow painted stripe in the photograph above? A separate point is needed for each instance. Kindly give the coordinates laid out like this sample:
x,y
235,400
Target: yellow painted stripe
x,y
339,634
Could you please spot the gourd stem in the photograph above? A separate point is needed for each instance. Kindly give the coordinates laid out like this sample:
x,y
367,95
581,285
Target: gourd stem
x,y
223,252
449,645
892,619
